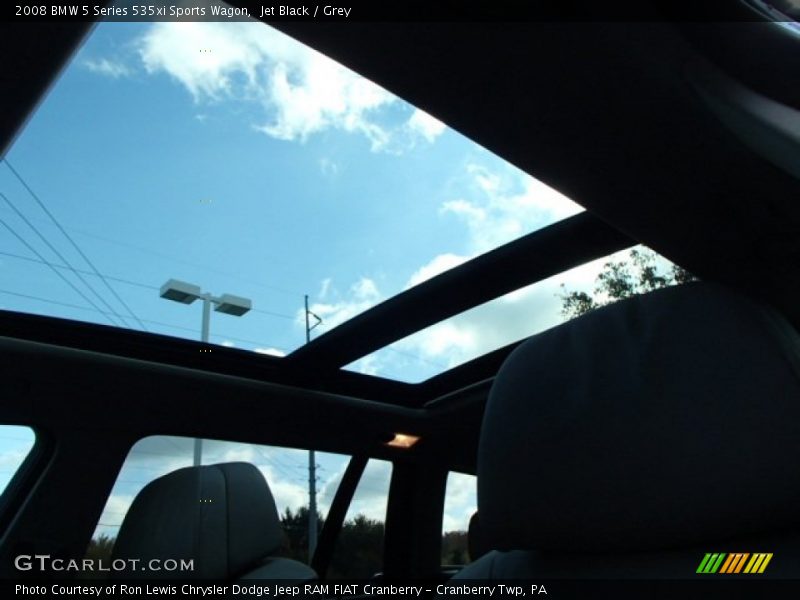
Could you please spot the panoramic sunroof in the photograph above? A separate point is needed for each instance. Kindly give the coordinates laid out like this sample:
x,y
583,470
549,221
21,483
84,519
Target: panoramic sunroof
x,y
522,313
231,158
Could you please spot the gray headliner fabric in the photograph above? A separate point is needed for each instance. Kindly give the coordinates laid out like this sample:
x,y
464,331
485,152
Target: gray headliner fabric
x,y
223,516
657,422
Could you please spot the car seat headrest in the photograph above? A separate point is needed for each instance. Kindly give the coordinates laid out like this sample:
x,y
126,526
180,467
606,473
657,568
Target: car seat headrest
x,y
221,516
656,422
476,544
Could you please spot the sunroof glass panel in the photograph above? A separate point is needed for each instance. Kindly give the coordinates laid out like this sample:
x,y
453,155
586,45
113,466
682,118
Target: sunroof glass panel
x,y
229,157
521,313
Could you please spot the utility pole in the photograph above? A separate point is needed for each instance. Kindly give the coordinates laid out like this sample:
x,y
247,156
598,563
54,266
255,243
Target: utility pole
x,y
312,463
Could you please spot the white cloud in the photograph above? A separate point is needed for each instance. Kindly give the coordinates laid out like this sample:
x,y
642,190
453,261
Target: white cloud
x,y
285,470
302,91
372,491
281,467
370,496
502,207
270,351
363,294
472,214
440,264
158,455
365,288
508,206
228,344
451,340
107,67
521,313
460,501
328,167
324,287
497,206
368,365
204,57
425,125
287,493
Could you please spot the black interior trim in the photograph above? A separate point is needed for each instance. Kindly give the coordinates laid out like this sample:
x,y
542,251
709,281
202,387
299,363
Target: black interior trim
x,y
30,68
181,352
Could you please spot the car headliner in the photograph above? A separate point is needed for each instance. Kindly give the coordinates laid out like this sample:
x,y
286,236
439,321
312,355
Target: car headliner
x,y
603,112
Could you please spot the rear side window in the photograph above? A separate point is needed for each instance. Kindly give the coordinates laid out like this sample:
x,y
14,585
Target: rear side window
x,y
460,503
285,469
16,442
358,553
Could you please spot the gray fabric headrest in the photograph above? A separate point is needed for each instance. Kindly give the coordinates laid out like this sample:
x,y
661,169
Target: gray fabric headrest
x,y
222,516
656,422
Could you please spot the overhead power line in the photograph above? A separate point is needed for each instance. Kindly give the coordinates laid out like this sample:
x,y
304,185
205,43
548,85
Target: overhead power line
x,y
129,282
174,259
57,253
182,261
57,266
151,321
71,241
56,271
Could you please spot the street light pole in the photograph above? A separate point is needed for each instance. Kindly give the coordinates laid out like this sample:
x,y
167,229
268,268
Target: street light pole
x,y
186,293
198,442
206,318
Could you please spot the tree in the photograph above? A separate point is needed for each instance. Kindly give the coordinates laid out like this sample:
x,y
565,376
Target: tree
x,y
359,546
622,279
359,549
295,533
100,548
454,548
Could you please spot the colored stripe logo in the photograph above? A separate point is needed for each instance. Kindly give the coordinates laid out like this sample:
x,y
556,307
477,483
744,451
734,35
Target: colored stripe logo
x,y
735,562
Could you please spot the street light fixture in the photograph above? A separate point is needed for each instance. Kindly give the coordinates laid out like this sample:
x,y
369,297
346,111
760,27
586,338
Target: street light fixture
x,y
180,291
186,293
233,305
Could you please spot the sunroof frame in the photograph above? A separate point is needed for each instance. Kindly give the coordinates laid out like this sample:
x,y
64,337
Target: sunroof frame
x,y
536,256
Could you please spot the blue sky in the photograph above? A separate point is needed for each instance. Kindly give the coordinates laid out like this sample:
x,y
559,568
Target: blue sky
x,y
158,170
232,157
